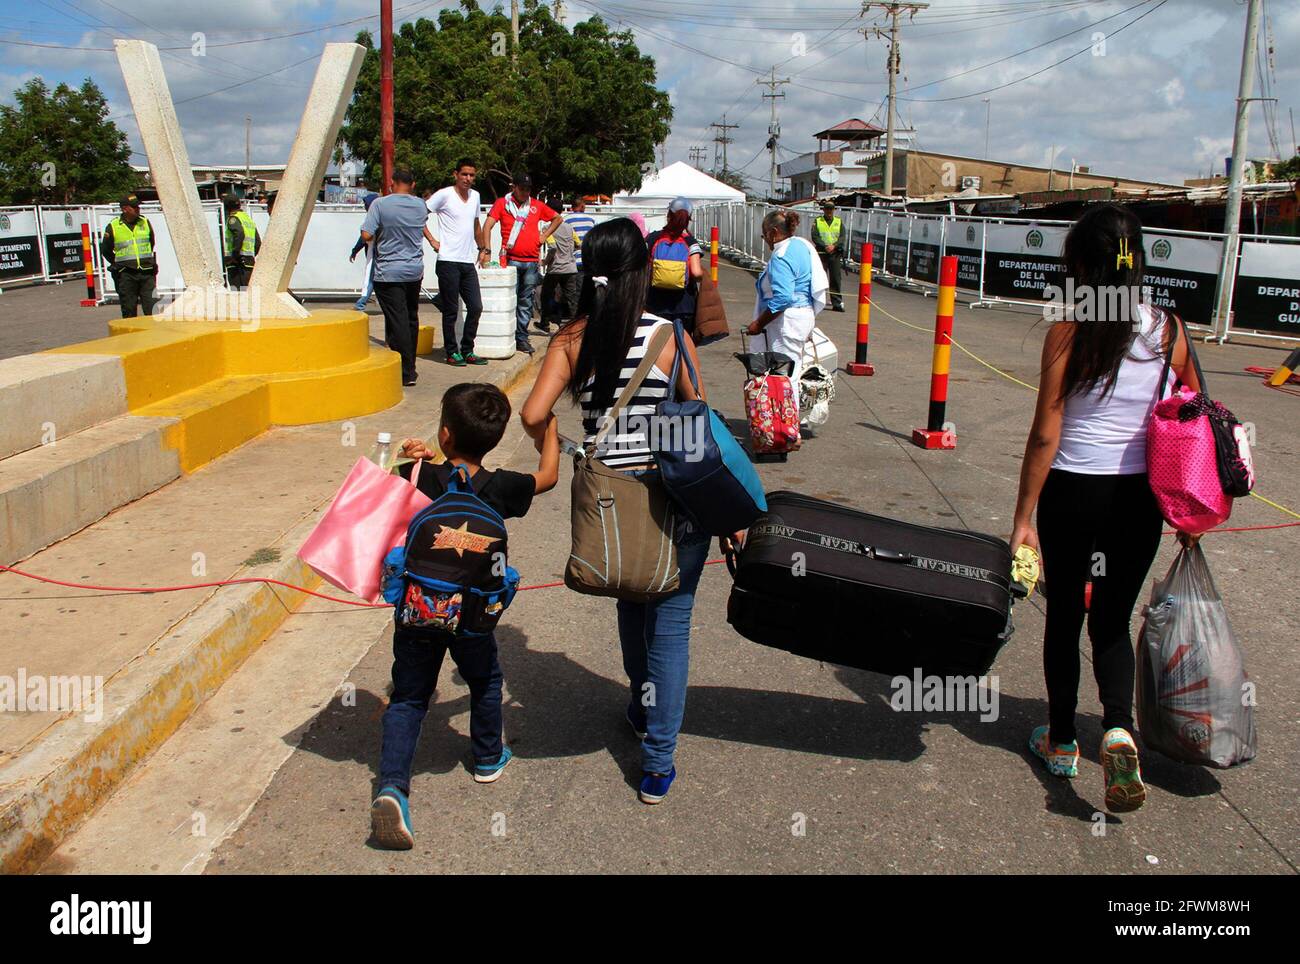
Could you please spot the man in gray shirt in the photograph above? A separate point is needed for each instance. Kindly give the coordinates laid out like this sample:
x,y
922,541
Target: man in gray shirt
x,y
561,287
396,222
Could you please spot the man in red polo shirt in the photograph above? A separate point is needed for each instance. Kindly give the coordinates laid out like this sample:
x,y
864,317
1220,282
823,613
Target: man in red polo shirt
x,y
521,242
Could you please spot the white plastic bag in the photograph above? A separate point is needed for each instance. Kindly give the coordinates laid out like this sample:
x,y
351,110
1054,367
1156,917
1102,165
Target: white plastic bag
x,y
1195,703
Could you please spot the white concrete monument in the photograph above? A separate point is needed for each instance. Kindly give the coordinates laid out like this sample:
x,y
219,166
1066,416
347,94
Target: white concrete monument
x,y
206,297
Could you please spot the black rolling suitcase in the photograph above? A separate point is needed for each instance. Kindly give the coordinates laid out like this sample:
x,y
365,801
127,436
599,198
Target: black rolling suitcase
x,y
871,592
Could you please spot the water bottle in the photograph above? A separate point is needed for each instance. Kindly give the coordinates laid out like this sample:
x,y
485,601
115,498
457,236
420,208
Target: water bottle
x,y
382,453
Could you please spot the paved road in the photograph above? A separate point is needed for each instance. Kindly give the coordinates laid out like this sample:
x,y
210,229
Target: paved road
x,y
786,764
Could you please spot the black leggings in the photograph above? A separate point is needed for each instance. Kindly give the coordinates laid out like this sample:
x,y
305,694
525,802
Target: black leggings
x,y
1105,528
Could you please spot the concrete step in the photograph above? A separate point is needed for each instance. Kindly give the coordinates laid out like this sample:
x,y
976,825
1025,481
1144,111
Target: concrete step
x,y
48,493
213,419
44,398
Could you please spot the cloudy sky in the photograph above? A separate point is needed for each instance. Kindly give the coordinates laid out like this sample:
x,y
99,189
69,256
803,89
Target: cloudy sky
x,y
1151,100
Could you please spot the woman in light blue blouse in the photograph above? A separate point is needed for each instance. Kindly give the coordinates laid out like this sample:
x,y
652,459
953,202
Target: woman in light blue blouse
x,y
791,290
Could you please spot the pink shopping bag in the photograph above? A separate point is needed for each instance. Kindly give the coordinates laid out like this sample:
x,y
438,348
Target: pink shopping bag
x,y
368,517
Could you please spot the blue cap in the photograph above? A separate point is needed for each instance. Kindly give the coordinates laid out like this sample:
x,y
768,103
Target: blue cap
x,y
680,204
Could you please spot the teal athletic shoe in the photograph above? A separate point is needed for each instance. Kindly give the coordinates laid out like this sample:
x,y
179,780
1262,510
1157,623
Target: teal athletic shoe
x,y
490,772
1062,759
390,820
1125,791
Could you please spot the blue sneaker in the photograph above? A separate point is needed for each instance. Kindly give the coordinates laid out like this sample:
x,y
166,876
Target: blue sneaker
x,y
638,729
390,820
489,772
654,786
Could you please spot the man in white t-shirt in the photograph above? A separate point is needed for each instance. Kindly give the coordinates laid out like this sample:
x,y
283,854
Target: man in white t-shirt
x,y
456,208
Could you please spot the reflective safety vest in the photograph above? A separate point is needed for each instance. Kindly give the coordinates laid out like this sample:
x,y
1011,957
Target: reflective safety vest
x,y
828,233
131,245
249,248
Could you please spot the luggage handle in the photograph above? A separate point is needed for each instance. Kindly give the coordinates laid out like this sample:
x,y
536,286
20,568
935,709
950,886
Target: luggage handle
x,y
889,555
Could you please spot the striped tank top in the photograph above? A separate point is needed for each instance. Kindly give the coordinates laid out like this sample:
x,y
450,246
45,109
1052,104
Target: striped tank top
x,y
627,444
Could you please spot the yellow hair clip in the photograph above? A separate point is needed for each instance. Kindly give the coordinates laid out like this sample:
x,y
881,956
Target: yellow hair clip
x,y
1125,257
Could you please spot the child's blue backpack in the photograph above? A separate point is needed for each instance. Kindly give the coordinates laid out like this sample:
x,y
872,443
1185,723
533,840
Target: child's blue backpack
x,y
452,574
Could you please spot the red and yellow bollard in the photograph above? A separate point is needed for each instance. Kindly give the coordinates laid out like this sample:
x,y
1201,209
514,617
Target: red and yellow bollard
x,y
935,435
713,254
860,365
88,301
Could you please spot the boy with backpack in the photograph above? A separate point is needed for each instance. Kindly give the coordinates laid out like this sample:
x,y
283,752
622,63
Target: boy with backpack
x,y
450,583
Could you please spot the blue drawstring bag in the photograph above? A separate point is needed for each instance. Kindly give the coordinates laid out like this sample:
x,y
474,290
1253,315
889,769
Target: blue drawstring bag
x,y
705,470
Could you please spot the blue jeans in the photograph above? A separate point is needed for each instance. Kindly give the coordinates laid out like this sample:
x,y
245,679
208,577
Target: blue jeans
x,y
368,288
527,278
656,654
417,657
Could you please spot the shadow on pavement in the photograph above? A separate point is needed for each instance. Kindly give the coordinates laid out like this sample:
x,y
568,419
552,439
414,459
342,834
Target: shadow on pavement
x,y
559,708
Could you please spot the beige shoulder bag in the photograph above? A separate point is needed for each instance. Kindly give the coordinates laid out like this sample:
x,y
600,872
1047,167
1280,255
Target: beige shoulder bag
x,y
622,524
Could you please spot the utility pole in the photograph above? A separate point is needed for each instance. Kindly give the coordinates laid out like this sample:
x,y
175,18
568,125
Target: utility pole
x,y
697,156
558,15
773,127
248,147
386,92
892,10
514,29
721,139
1232,216
988,115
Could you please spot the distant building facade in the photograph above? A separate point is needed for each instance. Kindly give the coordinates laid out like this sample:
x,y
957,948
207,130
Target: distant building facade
x,y
855,150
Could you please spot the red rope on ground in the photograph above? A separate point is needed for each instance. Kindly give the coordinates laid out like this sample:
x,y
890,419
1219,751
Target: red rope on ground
x,y
149,590
1268,373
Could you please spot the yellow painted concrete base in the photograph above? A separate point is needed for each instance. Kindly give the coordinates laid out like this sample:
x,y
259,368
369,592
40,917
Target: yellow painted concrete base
x,y
228,381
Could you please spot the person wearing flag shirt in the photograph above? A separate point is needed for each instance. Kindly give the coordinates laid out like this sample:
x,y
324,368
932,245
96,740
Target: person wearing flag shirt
x,y
520,215
676,267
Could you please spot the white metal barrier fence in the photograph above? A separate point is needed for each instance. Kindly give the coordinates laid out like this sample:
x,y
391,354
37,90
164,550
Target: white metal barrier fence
x,y
1013,261
41,243
323,268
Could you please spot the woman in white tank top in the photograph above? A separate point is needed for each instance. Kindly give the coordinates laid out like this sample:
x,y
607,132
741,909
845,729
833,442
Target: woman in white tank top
x,y
1085,473
592,359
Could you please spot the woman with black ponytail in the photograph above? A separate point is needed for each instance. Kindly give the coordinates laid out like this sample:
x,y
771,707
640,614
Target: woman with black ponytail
x,y
591,359
1085,472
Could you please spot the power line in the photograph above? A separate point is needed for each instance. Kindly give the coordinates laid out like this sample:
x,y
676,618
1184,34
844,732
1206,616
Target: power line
x,y
1019,80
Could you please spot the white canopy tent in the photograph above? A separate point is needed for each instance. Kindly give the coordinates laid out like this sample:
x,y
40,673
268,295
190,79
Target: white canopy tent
x,y
677,180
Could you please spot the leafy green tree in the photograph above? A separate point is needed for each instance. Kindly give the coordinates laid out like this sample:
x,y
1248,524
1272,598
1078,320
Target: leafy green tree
x,y
59,147
1287,170
577,110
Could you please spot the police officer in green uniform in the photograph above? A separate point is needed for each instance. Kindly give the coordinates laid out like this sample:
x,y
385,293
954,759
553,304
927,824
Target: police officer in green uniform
x,y
242,242
826,239
127,248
